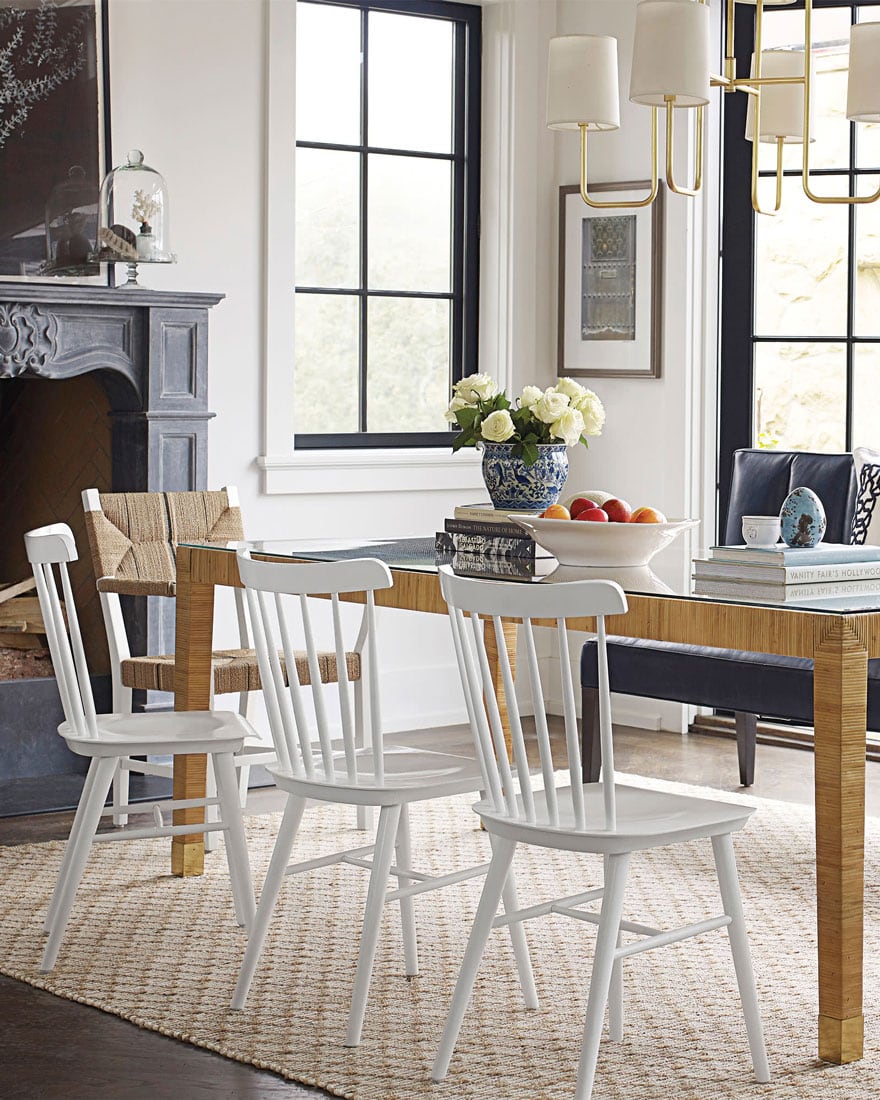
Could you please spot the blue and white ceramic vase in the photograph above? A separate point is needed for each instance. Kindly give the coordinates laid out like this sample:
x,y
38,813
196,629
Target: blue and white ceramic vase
x,y
521,488
802,518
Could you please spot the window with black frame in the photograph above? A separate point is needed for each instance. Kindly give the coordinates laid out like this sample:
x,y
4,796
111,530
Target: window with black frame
x,y
800,320
387,218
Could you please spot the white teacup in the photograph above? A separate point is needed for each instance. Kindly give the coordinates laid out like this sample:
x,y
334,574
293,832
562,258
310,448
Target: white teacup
x,y
761,530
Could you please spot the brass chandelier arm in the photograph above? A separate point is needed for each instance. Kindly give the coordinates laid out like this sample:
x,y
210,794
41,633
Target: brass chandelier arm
x,y
756,204
827,200
652,194
698,156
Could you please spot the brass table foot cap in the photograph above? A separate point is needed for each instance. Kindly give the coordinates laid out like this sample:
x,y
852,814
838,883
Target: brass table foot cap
x,y
841,1041
188,858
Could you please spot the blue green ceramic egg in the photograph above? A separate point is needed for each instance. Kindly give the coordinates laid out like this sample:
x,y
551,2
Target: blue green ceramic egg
x,y
802,518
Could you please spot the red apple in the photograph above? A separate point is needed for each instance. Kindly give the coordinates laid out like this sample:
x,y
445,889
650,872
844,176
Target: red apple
x,y
579,504
618,510
592,515
647,515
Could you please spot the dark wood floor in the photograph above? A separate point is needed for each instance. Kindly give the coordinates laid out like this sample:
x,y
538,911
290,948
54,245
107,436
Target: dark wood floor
x,y
55,1049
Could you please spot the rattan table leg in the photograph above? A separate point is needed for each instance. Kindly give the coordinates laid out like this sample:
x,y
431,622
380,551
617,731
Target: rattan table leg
x,y
192,691
840,692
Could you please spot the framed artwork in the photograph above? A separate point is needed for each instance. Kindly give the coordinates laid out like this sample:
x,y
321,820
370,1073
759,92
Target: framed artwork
x,y
54,138
610,284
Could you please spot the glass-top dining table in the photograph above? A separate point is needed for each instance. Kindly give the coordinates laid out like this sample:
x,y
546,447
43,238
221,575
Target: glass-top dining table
x,y
839,632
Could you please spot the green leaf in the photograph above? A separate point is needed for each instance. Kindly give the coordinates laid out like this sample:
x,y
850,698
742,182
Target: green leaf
x,y
466,417
529,454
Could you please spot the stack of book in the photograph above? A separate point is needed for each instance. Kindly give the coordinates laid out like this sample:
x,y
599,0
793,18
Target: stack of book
x,y
485,532
786,574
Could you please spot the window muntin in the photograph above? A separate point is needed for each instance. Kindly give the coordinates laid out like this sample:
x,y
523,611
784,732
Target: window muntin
x,y
388,222
801,290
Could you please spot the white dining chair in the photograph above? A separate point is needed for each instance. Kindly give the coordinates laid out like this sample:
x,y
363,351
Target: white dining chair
x,y
349,765
107,738
608,818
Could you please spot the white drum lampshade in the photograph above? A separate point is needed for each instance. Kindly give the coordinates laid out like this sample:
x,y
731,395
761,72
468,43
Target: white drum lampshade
x,y
671,53
782,105
863,97
582,83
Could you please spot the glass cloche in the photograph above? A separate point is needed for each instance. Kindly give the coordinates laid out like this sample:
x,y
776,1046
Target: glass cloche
x,y
133,217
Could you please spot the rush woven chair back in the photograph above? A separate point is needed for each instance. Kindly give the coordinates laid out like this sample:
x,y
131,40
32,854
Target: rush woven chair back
x,y
133,539
522,805
330,747
106,738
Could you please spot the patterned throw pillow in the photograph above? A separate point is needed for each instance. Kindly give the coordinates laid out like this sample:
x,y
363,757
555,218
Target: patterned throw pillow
x,y
866,516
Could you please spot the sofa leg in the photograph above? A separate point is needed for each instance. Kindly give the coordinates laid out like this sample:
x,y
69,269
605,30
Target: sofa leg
x,y
746,737
591,744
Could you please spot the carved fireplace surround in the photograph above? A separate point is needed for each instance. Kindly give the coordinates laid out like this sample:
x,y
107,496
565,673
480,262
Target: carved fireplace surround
x,y
148,352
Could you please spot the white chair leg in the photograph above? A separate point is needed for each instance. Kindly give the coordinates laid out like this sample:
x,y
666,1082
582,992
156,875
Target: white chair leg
x,y
236,845
121,705
120,792
519,942
383,854
603,964
70,846
244,778
274,877
212,813
728,881
615,992
403,851
496,879
364,818
94,804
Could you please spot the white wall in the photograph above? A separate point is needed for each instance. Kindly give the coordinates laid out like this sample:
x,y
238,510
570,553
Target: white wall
x,y
189,87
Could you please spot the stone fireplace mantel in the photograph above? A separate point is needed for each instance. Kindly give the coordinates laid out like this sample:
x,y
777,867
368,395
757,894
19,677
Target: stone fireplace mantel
x,y
151,348
149,352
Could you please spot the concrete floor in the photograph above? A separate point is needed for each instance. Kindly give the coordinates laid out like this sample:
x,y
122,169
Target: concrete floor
x,y
95,1055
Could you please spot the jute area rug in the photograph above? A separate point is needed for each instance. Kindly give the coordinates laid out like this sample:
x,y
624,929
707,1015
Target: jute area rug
x,y
164,953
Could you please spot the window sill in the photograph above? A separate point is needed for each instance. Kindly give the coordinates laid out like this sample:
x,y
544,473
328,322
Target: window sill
x,y
418,469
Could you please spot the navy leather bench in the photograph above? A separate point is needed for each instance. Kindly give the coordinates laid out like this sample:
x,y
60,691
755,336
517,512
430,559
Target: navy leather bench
x,y
749,684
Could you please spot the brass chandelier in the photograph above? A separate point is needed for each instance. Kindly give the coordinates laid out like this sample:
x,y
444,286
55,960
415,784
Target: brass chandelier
x,y
671,71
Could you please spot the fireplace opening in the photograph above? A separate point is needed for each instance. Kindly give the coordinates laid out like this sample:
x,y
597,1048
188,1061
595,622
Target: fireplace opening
x,y
55,441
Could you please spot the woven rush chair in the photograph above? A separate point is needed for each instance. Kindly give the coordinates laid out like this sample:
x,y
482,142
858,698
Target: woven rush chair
x,y
106,738
357,769
133,539
605,818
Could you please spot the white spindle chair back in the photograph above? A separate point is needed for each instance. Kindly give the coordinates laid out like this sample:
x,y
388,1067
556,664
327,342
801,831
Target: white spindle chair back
x,y
55,546
278,596
479,605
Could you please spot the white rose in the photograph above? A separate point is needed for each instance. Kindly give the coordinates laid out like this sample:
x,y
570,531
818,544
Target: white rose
x,y
530,396
574,391
593,412
550,406
455,404
476,387
497,427
569,427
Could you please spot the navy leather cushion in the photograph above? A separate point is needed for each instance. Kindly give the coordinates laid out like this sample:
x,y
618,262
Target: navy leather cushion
x,y
761,481
729,679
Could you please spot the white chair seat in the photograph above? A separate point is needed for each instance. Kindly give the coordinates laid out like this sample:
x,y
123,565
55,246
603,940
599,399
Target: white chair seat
x,y
162,733
411,775
645,819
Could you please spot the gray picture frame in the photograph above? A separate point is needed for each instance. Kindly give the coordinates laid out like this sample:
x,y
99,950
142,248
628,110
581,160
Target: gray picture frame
x,y
631,345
